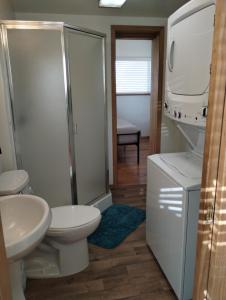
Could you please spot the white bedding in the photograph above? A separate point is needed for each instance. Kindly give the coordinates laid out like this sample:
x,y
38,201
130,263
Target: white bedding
x,y
124,127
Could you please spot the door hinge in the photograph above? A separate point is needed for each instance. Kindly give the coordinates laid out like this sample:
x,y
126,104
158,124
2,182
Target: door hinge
x,y
210,69
214,20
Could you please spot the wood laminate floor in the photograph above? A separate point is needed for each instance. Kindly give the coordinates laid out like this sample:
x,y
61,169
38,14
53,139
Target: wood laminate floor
x,y
128,171
126,272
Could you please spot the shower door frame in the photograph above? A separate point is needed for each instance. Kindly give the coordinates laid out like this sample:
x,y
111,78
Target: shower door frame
x,y
102,36
61,27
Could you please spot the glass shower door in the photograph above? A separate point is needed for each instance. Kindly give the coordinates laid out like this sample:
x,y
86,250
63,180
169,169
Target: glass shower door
x,y
39,107
86,57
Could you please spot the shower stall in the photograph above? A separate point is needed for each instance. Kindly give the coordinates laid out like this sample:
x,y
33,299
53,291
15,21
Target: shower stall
x,y
56,80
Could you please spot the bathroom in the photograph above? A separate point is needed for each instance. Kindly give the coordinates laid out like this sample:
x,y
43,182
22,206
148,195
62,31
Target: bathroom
x,y
58,128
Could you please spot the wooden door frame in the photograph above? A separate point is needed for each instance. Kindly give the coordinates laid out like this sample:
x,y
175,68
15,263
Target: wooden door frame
x,y
138,32
210,275
5,288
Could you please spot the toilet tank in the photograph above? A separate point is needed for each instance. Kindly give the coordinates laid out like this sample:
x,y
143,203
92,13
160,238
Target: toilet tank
x,y
13,182
188,64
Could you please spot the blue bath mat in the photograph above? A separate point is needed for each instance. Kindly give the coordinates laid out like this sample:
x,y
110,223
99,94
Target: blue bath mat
x,y
117,222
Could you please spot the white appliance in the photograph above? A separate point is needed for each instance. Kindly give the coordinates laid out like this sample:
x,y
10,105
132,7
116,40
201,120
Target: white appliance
x,y
173,187
173,193
188,66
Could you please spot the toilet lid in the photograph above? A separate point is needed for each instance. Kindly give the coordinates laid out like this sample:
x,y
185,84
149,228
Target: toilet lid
x,y
64,217
13,182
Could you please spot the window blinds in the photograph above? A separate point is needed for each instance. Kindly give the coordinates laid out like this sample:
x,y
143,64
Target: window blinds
x,y
133,76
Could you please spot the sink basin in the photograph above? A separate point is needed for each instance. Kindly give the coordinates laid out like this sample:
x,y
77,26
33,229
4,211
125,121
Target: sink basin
x,y
25,220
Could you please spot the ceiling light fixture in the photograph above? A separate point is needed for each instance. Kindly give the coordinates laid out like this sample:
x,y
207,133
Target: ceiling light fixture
x,y
111,3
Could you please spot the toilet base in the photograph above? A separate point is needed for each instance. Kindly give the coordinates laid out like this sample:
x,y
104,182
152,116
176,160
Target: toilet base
x,y
73,257
53,259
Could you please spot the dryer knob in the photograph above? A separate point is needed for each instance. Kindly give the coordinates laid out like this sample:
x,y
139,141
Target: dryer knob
x,y
204,112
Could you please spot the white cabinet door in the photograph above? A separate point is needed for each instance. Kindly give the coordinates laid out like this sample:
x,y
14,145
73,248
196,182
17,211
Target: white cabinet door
x,y
166,224
189,52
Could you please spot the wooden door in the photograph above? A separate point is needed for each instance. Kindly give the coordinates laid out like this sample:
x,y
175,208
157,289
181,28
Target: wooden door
x,y
5,292
210,278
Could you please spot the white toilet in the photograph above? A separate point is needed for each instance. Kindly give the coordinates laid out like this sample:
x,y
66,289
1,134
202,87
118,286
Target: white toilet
x,y
68,232
64,250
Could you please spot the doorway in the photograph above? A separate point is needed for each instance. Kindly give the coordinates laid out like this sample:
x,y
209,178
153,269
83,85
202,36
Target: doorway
x,y
133,100
137,80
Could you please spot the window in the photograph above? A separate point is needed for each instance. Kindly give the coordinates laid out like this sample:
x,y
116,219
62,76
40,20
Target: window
x,y
133,76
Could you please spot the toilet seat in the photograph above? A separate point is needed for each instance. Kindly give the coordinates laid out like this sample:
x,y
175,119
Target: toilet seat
x,y
72,216
72,223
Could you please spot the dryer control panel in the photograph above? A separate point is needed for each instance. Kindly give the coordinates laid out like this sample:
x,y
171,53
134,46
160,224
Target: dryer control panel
x,y
189,111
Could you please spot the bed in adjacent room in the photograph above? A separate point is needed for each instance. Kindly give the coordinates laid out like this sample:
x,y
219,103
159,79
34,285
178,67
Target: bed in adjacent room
x,y
128,134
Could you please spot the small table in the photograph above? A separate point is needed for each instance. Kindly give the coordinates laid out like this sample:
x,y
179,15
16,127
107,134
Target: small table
x,y
130,139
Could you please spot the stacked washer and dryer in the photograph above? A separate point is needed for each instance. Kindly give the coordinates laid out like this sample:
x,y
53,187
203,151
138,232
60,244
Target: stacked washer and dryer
x,y
174,179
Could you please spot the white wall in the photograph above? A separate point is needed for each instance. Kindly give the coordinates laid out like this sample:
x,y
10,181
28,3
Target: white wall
x,y
133,48
7,159
136,110
103,24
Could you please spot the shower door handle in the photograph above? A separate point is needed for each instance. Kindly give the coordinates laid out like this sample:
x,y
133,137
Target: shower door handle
x,y
75,128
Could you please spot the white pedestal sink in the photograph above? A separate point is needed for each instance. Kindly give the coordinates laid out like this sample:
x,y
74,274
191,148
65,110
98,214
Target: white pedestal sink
x,y
25,220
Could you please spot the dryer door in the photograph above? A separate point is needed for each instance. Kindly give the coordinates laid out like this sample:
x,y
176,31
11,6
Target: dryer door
x,y
189,52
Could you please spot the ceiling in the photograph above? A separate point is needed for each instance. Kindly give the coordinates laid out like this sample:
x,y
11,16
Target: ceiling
x,y
145,8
